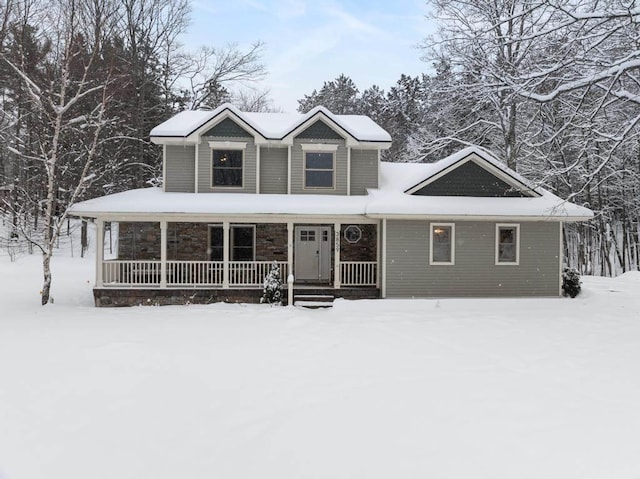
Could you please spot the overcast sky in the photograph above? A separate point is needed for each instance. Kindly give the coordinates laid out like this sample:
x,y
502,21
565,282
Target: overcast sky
x,y
309,42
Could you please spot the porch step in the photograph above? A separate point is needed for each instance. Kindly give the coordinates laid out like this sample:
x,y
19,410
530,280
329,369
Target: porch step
x,y
313,300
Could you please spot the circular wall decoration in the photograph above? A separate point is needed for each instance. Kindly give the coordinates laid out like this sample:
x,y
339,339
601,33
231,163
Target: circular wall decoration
x,y
352,234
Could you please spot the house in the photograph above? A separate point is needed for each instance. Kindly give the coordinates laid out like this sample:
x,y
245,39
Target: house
x,y
308,191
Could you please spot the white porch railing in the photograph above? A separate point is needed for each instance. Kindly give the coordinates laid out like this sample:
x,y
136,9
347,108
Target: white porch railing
x,y
195,273
358,273
252,273
188,273
131,272
211,273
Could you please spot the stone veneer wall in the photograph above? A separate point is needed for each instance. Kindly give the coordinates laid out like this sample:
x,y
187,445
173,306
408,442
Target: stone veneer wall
x,y
138,241
364,250
188,241
112,297
271,242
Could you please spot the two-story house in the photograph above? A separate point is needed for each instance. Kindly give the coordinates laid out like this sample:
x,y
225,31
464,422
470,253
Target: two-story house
x,y
242,190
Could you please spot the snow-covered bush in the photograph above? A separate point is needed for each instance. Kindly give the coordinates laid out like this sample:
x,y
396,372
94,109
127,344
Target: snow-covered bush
x,y
272,291
571,282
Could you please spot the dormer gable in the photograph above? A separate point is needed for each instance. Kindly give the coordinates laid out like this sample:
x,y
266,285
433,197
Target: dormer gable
x,y
228,128
472,173
320,131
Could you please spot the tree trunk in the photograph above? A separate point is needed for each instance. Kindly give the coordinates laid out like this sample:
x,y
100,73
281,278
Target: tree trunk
x,y
46,269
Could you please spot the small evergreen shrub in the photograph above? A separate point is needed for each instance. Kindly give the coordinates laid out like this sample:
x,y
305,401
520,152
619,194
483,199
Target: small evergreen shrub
x,y
272,291
571,282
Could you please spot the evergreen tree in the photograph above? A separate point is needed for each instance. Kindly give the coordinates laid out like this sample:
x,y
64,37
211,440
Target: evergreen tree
x,y
272,291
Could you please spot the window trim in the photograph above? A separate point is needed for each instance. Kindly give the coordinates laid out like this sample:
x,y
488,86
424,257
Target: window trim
x,y
319,148
516,226
453,244
227,145
231,238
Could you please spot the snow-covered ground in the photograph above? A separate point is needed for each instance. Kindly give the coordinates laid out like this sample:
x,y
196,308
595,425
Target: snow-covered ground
x,y
513,389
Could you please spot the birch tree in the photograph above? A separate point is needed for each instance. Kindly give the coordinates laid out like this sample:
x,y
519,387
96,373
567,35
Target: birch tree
x,y
67,97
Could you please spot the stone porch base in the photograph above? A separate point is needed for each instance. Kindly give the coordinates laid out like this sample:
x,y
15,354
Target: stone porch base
x,y
114,297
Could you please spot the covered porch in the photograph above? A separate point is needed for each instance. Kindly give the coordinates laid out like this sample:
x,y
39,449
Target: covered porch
x,y
172,261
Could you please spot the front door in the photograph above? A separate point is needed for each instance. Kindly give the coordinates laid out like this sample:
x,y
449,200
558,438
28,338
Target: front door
x,y
312,254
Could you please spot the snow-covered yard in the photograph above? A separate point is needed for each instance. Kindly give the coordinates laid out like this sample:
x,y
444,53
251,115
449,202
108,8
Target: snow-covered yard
x,y
518,388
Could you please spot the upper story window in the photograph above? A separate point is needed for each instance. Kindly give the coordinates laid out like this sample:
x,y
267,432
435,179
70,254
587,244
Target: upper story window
x,y
508,244
442,247
319,165
227,164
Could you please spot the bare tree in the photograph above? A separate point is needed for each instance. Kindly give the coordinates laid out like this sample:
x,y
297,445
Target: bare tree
x,y
68,98
212,69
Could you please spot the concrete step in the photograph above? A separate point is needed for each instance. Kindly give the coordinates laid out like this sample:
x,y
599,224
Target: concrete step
x,y
313,300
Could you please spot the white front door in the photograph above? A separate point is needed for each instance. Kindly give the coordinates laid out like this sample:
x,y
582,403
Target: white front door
x,y
312,254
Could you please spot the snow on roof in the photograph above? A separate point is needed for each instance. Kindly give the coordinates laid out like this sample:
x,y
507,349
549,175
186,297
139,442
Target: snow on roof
x,y
183,123
385,202
396,178
271,125
155,201
547,206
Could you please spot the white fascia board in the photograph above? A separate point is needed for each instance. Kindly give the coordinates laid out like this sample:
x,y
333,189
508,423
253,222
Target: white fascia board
x,y
235,218
365,145
171,140
195,135
348,137
479,218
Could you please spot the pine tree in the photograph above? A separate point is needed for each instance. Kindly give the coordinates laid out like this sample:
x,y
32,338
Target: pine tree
x,y
272,291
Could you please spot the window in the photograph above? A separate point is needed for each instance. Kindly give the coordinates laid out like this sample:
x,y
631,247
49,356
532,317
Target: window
x,y
318,169
227,168
307,235
507,244
216,244
241,243
442,245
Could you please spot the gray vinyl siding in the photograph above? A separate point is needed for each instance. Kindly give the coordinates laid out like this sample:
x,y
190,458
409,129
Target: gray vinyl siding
x,y
474,274
204,166
180,168
297,168
364,171
273,170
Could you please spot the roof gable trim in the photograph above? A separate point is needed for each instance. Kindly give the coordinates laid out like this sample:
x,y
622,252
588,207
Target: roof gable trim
x,y
482,162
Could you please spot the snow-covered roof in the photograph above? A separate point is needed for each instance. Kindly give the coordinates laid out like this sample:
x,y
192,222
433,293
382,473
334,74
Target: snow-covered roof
x,y
379,203
154,201
389,200
271,126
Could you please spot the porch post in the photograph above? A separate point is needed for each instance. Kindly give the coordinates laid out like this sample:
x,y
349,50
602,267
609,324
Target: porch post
x,y
290,262
99,252
336,256
163,254
225,254
378,259
383,266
